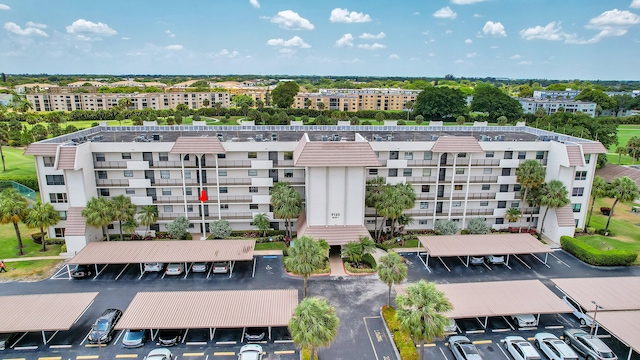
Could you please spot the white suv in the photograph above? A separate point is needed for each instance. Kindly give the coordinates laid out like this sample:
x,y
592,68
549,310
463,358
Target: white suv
x,y
520,348
578,311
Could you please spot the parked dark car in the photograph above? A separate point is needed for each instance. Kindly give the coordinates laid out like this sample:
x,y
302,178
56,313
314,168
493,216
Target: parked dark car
x,y
6,340
81,271
169,337
134,338
103,328
254,334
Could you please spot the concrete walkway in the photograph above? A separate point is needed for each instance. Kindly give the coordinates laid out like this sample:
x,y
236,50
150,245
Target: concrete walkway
x,y
378,254
335,263
36,258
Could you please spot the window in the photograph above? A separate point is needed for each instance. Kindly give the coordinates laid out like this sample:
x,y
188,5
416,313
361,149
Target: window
x,y
486,187
222,156
252,155
48,161
224,206
459,171
577,191
408,155
428,155
188,191
288,155
104,192
581,175
163,156
423,222
502,204
576,207
58,198
164,174
587,158
424,205
457,203
59,232
457,187
539,155
187,174
489,154
522,155
55,179
102,174
288,173
406,172
373,171
577,223
63,215
504,188
508,154
426,188
484,203
488,170
224,190
128,173
462,155
253,189
166,191
252,172
253,206
393,172
515,204
168,208
189,208
99,156
130,191
506,172
426,172
126,156
517,187
222,172
499,221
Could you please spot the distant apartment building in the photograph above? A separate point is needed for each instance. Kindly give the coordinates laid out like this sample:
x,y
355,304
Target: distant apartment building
x,y
330,101
357,99
555,94
530,106
457,173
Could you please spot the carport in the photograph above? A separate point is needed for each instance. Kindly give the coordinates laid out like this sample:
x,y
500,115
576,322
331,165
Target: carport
x,y
465,246
624,326
43,313
180,251
499,299
233,309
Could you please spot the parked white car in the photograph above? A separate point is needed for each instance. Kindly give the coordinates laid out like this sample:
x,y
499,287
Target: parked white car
x,y
494,259
525,320
521,349
554,348
175,269
153,267
578,311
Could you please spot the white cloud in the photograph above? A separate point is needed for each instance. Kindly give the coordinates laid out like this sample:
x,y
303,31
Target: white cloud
x,y
468,41
381,35
491,28
374,46
227,53
547,32
26,31
458,61
125,38
394,57
418,12
445,13
36,25
449,31
494,46
345,41
339,15
287,51
466,2
255,4
634,4
515,57
472,55
432,55
477,15
85,26
525,63
610,23
170,34
295,41
4,7
425,33
175,47
290,20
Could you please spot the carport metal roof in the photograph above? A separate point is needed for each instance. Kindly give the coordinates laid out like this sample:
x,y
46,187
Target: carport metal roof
x,y
209,309
488,244
612,293
131,252
43,312
499,298
625,325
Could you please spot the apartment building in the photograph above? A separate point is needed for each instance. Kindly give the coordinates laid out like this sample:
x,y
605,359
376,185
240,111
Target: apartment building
x,y
330,101
555,94
457,173
357,99
530,106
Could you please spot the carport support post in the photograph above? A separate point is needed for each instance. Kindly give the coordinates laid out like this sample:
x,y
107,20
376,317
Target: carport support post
x,y
546,256
96,266
69,271
467,264
141,270
212,333
507,259
269,332
630,352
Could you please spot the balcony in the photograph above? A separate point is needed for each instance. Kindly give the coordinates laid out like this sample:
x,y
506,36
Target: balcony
x,y
161,182
234,163
109,164
292,180
195,217
414,213
485,162
234,198
112,182
422,162
230,181
173,164
470,212
459,179
283,163
421,179
176,199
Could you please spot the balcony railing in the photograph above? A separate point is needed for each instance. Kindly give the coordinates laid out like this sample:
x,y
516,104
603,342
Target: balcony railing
x,y
284,163
110,164
422,162
211,217
419,212
292,180
421,179
176,199
112,182
234,163
161,182
174,164
234,198
230,181
485,162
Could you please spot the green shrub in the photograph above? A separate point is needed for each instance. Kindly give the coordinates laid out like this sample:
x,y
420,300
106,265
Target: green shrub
x,y
63,248
30,181
402,339
597,257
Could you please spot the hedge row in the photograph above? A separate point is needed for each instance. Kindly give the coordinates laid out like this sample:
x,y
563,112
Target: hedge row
x,y
402,339
30,181
597,257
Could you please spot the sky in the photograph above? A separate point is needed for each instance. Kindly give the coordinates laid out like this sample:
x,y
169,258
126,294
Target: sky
x,y
550,39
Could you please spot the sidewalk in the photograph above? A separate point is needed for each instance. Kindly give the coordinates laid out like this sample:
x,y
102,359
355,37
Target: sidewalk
x,y
36,258
336,265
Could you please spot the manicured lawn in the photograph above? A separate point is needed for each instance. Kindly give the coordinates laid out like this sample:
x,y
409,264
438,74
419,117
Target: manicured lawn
x,y
625,132
278,245
30,270
17,163
9,243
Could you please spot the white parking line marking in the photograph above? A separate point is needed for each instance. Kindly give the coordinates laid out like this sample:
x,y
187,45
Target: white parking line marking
x,y
85,338
502,350
523,263
443,355
562,262
118,338
122,272
364,319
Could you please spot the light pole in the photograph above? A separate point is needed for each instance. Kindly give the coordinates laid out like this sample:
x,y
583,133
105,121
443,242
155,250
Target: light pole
x,y
593,323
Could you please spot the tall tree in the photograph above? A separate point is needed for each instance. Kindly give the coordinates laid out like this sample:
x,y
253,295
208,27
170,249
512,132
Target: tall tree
x,y
13,209
4,140
553,195
621,150
440,103
622,189
492,100
99,213
206,103
148,216
373,195
305,258
599,188
125,103
633,147
392,270
123,210
598,97
409,106
286,203
421,312
284,94
261,221
394,201
513,214
314,324
40,216
530,174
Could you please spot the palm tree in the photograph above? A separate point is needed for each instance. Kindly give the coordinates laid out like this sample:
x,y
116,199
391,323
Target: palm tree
x,y
123,210
394,201
130,225
530,174
622,189
99,213
409,106
421,310
320,106
314,324
125,103
598,189
4,140
261,221
148,216
206,103
621,150
305,258
553,195
392,270
286,203
42,215
13,209
512,214
373,195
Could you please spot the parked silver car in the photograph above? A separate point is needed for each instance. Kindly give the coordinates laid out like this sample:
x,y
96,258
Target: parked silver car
x,y
554,348
175,269
520,349
588,345
159,354
452,327
463,349
525,320
494,259
579,312
220,267
153,267
199,267
476,260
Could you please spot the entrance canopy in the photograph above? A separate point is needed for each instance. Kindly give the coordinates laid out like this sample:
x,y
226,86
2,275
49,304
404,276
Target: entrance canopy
x,y
209,309
612,293
499,298
479,245
44,312
130,252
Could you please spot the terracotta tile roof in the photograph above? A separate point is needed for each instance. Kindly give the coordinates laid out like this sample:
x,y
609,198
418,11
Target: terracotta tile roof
x,y
75,223
209,309
574,155
611,172
489,244
48,312
593,147
197,145
44,149
330,153
67,158
456,144
131,252
564,215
